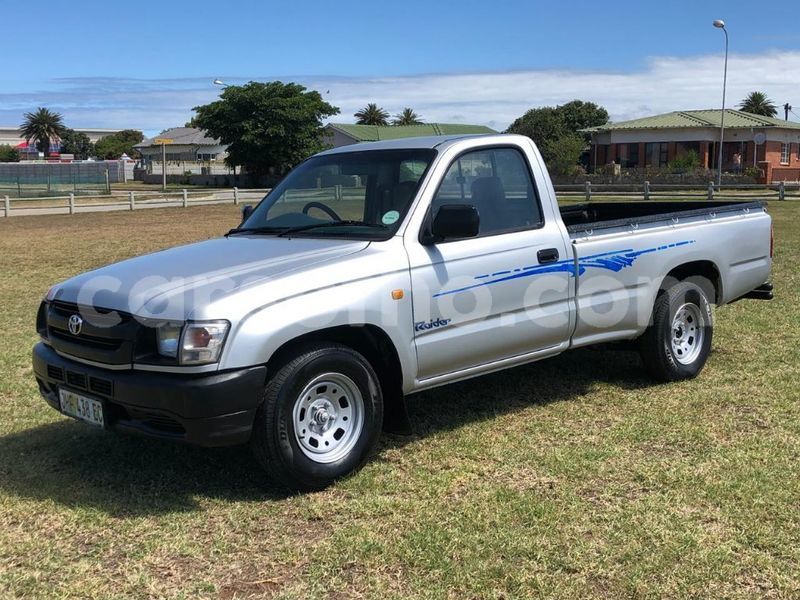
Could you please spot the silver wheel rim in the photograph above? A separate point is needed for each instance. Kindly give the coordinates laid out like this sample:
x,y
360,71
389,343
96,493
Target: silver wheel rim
x,y
328,417
688,332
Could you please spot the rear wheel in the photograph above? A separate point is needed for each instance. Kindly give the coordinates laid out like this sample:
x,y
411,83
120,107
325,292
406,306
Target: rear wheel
x,y
677,343
320,417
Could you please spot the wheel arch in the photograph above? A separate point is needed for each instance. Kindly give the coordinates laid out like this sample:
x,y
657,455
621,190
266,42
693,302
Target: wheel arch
x,y
699,272
375,345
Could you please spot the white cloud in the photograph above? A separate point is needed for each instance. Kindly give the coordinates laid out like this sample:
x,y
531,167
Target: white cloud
x,y
494,99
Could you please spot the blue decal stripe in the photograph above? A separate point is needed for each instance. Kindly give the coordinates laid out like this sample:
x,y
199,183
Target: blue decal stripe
x,y
612,261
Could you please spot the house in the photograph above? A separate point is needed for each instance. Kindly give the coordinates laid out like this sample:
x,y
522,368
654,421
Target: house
x,y
339,134
188,149
770,144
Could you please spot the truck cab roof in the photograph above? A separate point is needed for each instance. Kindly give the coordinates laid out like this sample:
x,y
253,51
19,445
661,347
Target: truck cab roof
x,y
432,141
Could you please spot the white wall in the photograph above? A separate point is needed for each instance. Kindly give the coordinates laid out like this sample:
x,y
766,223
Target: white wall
x,y
10,135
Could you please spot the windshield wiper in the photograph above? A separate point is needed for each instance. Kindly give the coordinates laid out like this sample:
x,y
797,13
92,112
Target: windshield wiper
x,y
282,231
255,230
291,230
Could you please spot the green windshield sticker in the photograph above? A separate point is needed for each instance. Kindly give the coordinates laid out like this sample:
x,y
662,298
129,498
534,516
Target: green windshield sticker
x,y
390,217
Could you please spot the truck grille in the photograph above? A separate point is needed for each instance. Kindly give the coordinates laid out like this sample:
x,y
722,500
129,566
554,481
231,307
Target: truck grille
x,y
77,380
105,336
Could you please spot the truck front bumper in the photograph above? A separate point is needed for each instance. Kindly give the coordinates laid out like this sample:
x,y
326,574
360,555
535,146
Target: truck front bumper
x,y
207,409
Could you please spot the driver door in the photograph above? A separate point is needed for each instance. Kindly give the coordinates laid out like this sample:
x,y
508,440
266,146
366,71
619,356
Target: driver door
x,y
501,294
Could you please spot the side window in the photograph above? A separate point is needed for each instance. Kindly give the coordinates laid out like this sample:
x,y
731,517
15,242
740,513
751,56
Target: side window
x,y
498,183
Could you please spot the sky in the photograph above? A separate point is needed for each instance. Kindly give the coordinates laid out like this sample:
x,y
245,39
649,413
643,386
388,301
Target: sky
x,y
145,65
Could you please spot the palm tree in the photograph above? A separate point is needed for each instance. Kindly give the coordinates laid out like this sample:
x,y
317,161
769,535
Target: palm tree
x,y
372,114
757,103
42,127
407,117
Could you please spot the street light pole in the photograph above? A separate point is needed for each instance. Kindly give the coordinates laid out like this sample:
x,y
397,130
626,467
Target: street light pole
x,y
720,24
163,167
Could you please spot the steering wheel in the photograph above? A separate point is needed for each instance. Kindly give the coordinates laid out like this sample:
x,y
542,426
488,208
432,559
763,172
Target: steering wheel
x,y
324,208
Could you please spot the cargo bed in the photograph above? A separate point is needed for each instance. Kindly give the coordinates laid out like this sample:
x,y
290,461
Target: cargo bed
x,y
608,215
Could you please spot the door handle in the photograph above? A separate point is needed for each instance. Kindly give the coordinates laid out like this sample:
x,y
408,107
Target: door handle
x,y
548,255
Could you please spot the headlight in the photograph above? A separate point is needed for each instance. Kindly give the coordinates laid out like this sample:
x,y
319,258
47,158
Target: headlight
x,y
201,343
168,339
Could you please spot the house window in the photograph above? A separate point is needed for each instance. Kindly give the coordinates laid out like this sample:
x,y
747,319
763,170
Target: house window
x,y
655,154
629,155
785,153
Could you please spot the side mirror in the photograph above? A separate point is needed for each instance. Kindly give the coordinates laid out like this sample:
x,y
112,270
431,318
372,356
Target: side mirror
x,y
247,210
455,221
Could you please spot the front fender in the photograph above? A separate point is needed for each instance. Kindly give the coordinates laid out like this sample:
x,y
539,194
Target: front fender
x,y
368,301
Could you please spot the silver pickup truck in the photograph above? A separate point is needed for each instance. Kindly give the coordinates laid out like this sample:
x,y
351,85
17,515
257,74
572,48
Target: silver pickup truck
x,y
379,270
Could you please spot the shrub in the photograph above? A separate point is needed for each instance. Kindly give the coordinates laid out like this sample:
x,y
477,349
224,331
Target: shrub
x,y
754,172
8,153
563,153
688,161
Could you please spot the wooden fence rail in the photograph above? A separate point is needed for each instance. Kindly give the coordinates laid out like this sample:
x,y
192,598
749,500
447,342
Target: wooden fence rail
x,y
72,204
588,192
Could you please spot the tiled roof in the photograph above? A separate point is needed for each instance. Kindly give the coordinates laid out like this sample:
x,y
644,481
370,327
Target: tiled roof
x,y
188,136
375,133
734,119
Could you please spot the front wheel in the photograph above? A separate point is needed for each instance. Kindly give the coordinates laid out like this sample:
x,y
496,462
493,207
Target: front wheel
x,y
677,343
320,418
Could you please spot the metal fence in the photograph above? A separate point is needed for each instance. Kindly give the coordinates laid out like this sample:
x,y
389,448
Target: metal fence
x,y
37,180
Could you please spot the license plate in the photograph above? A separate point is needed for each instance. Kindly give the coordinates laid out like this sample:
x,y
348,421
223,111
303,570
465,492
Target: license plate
x,y
81,407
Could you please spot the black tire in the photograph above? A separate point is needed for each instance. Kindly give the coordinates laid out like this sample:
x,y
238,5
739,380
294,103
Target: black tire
x,y
274,442
668,361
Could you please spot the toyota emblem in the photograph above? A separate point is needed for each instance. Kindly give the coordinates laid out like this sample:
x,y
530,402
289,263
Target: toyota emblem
x,y
75,324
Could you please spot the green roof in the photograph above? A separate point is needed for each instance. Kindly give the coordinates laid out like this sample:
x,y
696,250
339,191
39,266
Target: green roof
x,y
375,133
734,119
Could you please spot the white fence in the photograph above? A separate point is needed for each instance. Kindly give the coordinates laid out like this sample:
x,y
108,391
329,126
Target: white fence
x,y
647,191
186,167
72,204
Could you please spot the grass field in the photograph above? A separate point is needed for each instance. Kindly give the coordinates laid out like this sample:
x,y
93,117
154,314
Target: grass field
x,y
572,477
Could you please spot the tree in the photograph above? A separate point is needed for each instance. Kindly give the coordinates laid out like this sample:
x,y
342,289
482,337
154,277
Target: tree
x,y
8,153
757,103
563,153
372,114
42,127
577,115
77,143
266,126
111,147
407,117
554,128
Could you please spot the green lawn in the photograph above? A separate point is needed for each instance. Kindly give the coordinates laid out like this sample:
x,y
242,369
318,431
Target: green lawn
x,y
572,477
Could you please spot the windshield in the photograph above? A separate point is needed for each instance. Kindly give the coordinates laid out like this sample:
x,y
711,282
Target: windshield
x,y
357,195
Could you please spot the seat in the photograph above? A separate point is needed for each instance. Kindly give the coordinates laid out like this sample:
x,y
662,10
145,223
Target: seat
x,y
402,194
489,197
395,197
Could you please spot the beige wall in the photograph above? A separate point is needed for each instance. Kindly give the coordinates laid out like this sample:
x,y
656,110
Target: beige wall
x,y
698,134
